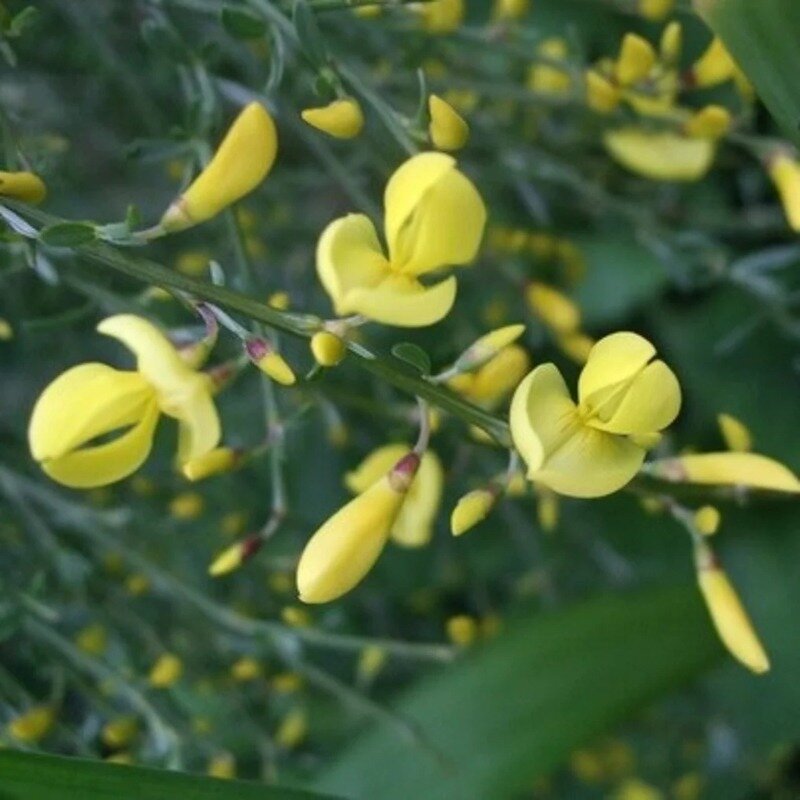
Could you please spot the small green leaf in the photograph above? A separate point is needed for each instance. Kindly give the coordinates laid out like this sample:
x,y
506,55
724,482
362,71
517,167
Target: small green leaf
x,y
21,22
68,234
241,24
413,355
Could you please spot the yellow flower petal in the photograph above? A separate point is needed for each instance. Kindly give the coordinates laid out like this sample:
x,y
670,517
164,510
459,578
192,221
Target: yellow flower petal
x,y
25,186
736,434
108,462
714,66
499,376
83,403
441,16
554,308
241,162
447,129
199,428
784,171
636,58
342,119
660,155
471,509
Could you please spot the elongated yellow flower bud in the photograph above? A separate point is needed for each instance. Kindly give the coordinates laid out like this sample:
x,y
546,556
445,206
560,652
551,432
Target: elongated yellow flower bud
x,y
166,671
602,95
636,58
448,129
784,170
344,549
119,732
555,309
706,520
269,361
23,186
729,616
471,509
328,349
32,725
234,556
342,119
221,459
292,730
241,162
487,347
736,434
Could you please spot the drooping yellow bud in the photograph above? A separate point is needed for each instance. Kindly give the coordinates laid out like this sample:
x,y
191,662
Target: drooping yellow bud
x,y
784,170
292,730
32,725
736,434
23,186
246,669
166,671
346,546
471,509
602,96
510,9
711,122
487,347
120,732
187,505
707,520
729,616
714,66
655,10
234,556
328,349
448,129
221,459
636,58
222,766
242,161
269,361
576,345
342,119
462,630
555,309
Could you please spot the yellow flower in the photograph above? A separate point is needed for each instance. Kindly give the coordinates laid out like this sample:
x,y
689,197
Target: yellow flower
x,y
328,349
471,509
342,119
711,122
714,66
23,186
462,630
233,557
347,545
596,446
92,400
707,520
576,345
602,95
187,505
434,217
166,671
413,526
727,613
441,16
487,347
92,639
728,469
784,170
447,129
221,765
220,459
269,361
555,309
655,10
32,725
636,58
120,732
510,9
547,78
735,433
246,669
6,331
241,162
660,155
499,376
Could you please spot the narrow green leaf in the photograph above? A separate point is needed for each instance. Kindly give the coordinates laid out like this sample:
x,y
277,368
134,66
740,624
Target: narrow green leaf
x,y
241,24
413,355
517,708
68,234
25,776
762,36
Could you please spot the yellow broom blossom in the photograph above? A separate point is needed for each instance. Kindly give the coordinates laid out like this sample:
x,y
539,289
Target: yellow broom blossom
x,y
784,171
510,9
342,119
711,122
727,613
92,400
344,549
241,162
547,78
472,508
441,16
433,218
553,308
487,347
495,380
25,186
327,348
655,10
413,526
636,58
447,129
32,725
165,672
221,459
602,95
269,361
714,66
736,434
707,519
596,446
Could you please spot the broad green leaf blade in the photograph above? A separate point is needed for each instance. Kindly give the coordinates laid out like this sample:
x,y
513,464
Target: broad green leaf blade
x,y
26,776
762,37
518,707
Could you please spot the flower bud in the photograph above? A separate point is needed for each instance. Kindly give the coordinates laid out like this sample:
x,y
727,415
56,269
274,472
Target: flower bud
x,y
343,550
234,556
784,170
714,66
292,730
487,347
447,129
602,95
636,58
547,508
32,725
187,505
23,186
654,10
555,309
166,671
241,162
576,345
328,349
727,613
510,9
342,119
222,766
735,433
472,508
120,732
462,630
671,42
246,669
711,122
706,520
221,459
546,78
370,662
269,361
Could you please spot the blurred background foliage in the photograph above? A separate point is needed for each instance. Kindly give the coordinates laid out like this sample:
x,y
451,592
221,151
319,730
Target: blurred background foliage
x,y
598,681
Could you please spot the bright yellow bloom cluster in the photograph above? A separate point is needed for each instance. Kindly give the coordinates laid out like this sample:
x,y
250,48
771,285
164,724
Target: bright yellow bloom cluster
x,y
92,400
242,161
25,186
596,446
434,217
